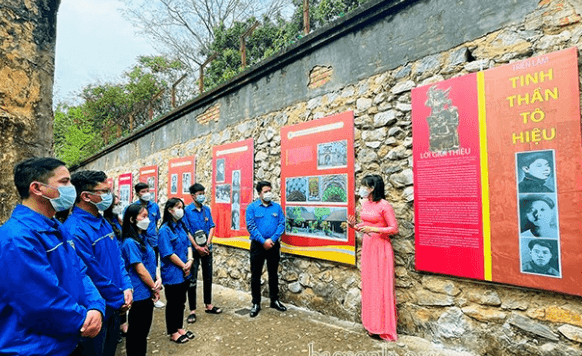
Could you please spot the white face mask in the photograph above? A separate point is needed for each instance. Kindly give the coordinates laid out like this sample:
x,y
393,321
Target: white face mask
x,y
117,210
268,196
178,214
146,197
143,224
364,192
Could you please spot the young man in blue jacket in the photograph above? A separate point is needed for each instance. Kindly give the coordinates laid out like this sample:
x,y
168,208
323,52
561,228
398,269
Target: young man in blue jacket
x,y
265,223
97,246
197,216
47,302
142,190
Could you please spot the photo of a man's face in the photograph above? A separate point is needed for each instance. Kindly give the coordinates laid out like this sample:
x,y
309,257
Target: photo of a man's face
x,y
220,168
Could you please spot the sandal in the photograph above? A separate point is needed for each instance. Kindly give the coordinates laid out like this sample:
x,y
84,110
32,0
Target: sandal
x,y
189,334
181,340
191,319
214,310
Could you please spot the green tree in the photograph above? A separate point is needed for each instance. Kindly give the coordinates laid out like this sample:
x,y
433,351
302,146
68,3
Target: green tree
x,y
74,134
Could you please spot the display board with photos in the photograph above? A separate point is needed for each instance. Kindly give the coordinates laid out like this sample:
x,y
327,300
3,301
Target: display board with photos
x,y
125,189
317,178
232,191
497,158
149,175
181,175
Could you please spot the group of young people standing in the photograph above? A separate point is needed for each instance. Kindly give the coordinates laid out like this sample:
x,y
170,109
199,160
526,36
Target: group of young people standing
x,y
67,284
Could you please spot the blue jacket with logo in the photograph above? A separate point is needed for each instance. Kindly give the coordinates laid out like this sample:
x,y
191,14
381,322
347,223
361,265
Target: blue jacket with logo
x,y
45,291
173,240
154,215
198,219
265,222
134,253
97,246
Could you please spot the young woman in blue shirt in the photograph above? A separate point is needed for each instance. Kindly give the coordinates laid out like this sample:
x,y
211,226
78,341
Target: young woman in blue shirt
x,y
140,262
175,246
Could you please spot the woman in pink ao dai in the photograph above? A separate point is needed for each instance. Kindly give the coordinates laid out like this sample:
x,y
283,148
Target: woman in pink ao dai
x,y
377,261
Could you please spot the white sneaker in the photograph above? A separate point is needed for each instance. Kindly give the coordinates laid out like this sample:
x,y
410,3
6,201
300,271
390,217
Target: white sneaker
x,y
159,304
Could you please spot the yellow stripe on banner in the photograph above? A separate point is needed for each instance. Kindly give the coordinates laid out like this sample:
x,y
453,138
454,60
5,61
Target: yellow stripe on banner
x,y
337,253
238,241
484,177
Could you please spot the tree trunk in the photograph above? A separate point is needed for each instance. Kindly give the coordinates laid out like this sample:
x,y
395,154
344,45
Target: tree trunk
x,y
27,56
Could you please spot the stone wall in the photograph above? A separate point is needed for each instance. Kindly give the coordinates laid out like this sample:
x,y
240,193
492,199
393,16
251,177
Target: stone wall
x,y
27,54
478,317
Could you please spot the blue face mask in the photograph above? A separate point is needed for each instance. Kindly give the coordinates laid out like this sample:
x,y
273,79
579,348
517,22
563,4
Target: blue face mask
x,y
66,198
106,200
201,199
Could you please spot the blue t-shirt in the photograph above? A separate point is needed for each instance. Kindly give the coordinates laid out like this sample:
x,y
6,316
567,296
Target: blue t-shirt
x,y
45,291
198,219
264,222
133,254
173,240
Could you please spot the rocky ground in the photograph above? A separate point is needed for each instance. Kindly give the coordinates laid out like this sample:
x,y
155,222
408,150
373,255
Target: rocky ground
x,y
295,332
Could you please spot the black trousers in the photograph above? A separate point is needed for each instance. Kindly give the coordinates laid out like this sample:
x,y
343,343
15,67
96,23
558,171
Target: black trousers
x,y
175,303
140,320
258,257
206,262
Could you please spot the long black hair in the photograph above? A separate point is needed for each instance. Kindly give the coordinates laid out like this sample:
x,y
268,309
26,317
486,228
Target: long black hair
x,y
167,218
375,182
129,228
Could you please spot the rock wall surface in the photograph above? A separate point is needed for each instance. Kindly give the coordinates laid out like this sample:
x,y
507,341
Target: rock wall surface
x,y
27,55
478,317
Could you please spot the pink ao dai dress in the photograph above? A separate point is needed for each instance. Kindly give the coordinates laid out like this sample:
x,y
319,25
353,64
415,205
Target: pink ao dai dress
x,y
377,263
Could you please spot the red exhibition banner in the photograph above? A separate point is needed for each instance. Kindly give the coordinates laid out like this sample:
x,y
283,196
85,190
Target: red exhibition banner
x,y
232,191
520,125
125,188
181,175
149,175
317,184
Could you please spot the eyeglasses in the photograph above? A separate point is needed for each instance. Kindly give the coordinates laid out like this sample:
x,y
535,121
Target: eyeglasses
x,y
100,191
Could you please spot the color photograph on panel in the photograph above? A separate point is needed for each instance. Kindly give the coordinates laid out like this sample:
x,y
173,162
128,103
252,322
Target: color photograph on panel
x,y
496,174
181,175
317,178
232,191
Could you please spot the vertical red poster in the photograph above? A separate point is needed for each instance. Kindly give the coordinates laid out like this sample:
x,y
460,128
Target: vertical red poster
x,y
317,183
149,175
181,175
447,190
125,187
497,167
232,191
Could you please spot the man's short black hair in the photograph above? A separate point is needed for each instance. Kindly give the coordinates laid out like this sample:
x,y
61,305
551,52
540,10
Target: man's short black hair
x,y
262,184
38,169
196,187
542,243
141,185
86,181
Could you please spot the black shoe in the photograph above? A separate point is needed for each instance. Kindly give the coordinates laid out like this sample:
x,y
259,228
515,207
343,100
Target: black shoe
x,y
255,310
277,305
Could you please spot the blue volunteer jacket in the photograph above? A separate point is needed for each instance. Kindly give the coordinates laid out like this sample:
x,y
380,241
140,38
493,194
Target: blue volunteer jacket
x,y
133,254
97,246
173,242
198,219
154,215
264,222
45,292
